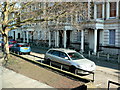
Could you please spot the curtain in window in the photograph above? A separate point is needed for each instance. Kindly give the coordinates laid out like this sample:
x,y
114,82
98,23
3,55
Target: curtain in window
x,y
112,9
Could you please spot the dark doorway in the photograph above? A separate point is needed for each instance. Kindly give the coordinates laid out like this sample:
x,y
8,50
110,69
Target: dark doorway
x,y
68,38
19,35
14,35
61,38
98,39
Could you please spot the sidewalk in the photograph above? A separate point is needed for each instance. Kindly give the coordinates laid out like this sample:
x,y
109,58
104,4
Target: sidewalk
x,y
11,79
110,67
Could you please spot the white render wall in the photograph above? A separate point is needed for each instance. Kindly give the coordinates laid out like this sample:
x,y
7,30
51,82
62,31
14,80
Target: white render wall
x,y
115,27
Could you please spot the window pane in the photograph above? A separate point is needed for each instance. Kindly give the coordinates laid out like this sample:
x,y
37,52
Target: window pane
x,y
51,51
79,36
99,11
113,9
56,53
112,37
75,56
63,55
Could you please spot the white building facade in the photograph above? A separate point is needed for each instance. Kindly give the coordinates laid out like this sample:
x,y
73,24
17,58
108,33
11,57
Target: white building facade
x,y
101,33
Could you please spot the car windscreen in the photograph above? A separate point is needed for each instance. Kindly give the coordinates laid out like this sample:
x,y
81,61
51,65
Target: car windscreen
x,y
75,56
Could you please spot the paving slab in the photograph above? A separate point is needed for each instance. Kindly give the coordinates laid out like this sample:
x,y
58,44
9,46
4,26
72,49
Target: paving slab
x,y
11,79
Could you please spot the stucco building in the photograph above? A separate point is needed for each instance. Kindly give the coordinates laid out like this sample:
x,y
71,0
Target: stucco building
x,y
100,32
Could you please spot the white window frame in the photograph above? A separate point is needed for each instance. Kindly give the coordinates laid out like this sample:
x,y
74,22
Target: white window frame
x,y
97,11
109,11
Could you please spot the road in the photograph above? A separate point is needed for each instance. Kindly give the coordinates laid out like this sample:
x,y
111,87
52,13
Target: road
x,y
102,74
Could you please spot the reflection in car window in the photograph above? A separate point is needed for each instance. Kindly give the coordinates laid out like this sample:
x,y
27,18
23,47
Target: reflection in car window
x,y
63,55
10,43
15,45
56,53
75,56
50,52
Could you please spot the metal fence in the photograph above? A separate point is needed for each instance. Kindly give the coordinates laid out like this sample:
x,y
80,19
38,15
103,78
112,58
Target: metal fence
x,y
115,83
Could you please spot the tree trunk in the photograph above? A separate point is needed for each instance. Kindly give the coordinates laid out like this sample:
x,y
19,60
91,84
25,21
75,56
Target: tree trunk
x,y
6,46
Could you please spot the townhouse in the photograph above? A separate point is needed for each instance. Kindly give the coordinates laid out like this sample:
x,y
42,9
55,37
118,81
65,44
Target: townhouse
x,y
99,32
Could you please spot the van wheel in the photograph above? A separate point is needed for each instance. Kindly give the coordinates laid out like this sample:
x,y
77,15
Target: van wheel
x,y
72,69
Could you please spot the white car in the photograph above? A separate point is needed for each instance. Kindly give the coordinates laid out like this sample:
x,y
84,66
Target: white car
x,y
70,58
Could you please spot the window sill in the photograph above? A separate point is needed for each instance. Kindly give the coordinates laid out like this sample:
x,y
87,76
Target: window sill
x,y
112,17
111,46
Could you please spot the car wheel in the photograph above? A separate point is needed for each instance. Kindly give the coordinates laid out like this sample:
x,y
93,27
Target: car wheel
x,y
11,50
14,52
29,53
72,69
18,53
47,61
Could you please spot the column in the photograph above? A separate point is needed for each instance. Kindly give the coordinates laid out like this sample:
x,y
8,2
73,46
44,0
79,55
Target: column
x,y
82,40
95,41
72,19
89,10
27,36
103,10
64,38
49,38
117,9
38,35
108,10
57,38
23,36
76,16
95,11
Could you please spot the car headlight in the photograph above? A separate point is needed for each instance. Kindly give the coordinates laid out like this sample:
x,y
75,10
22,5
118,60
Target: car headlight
x,y
80,66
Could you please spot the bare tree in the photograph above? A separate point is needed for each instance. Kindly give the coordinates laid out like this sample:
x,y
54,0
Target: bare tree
x,y
13,15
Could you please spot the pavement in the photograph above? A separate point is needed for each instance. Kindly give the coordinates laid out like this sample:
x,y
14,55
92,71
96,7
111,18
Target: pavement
x,y
109,67
11,79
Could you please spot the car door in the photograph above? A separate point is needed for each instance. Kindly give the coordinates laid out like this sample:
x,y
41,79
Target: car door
x,y
13,47
55,56
64,59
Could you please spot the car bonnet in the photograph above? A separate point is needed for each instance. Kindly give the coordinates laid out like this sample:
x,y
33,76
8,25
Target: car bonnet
x,y
83,62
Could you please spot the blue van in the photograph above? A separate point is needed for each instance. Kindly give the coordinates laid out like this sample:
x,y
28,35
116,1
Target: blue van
x,y
21,48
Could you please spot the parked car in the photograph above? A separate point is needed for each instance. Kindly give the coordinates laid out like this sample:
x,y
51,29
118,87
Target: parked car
x,y
11,43
12,40
70,58
21,48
